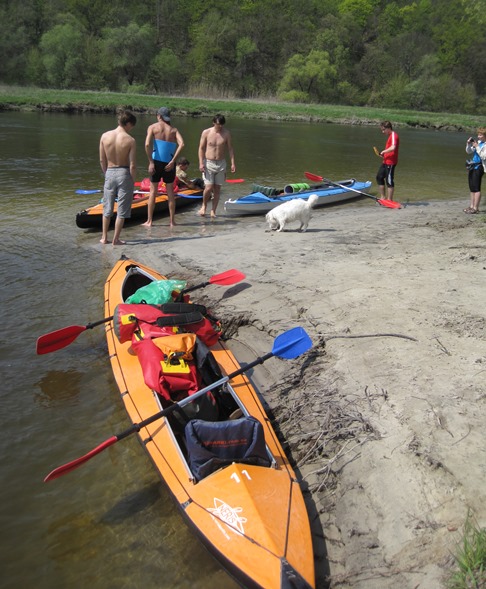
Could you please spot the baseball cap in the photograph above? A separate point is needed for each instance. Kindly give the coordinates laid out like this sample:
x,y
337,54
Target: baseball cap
x,y
164,112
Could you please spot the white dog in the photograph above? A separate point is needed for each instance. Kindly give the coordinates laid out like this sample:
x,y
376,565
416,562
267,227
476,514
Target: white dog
x,y
293,210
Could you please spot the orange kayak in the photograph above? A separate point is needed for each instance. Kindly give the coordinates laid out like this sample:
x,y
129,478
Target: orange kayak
x,y
250,514
92,216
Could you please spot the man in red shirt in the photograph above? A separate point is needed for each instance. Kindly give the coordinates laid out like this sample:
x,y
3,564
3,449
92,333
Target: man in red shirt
x,y
386,173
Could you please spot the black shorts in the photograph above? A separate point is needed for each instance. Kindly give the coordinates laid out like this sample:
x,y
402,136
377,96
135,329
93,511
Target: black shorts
x,y
386,173
160,173
474,178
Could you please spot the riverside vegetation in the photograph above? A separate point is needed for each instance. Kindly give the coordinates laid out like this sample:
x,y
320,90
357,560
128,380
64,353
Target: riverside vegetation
x,y
427,55
32,98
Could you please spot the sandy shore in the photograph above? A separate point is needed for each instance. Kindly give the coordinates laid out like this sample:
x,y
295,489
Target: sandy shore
x,y
385,417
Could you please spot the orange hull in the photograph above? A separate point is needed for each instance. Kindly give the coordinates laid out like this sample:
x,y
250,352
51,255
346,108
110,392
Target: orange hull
x,y
92,216
252,518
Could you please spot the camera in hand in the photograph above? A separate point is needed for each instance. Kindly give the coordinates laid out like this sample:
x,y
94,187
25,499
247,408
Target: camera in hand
x,y
471,140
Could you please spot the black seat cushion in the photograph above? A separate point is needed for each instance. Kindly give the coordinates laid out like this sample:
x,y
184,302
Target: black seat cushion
x,y
214,444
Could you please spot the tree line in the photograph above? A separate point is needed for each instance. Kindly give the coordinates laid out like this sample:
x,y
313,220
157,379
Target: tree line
x,y
423,54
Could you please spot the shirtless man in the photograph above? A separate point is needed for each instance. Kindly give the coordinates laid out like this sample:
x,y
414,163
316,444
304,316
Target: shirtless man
x,y
212,162
118,162
162,145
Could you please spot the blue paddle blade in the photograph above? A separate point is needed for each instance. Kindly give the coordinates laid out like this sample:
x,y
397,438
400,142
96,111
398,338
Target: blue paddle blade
x,y
87,191
291,343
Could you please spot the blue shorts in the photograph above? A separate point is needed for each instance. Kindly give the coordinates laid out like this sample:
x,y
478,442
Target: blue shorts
x,y
118,184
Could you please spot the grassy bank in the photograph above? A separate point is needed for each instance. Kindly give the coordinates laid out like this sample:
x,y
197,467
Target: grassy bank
x,y
19,98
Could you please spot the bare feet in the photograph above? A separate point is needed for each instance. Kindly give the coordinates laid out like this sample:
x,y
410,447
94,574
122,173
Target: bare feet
x,y
147,224
119,242
213,215
202,212
104,241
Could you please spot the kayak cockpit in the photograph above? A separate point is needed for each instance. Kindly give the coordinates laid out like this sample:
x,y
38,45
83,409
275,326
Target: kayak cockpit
x,y
212,430
135,278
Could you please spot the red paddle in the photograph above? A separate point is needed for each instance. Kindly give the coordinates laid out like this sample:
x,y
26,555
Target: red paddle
x,y
287,345
226,278
61,338
391,204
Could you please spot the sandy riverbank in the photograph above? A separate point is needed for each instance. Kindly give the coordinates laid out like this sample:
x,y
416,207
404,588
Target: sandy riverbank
x,y
385,417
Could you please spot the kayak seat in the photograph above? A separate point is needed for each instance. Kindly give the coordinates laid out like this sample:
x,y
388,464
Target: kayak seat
x,y
213,445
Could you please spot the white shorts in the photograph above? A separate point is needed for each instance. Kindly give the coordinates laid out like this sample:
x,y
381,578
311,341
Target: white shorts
x,y
214,172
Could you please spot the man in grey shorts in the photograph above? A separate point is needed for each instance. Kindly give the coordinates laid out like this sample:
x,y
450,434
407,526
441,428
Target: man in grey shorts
x,y
118,163
212,163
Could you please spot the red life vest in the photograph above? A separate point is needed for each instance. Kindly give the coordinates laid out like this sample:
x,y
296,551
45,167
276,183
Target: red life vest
x,y
129,318
174,381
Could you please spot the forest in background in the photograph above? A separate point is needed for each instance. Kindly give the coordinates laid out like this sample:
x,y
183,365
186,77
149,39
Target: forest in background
x,y
425,55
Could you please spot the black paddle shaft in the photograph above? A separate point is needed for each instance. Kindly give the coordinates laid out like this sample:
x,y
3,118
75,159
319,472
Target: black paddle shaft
x,y
100,322
136,427
195,287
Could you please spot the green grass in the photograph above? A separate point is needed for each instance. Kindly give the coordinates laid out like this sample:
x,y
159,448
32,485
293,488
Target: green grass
x,y
30,98
470,558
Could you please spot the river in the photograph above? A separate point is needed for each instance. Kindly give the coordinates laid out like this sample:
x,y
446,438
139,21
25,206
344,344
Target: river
x,y
111,524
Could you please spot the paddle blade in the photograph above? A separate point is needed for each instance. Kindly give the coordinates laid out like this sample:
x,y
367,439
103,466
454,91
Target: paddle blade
x,y
50,342
375,149
65,468
313,177
229,277
291,343
391,204
235,180
87,191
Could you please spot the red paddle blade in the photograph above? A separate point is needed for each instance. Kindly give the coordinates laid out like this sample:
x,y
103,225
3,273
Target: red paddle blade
x,y
235,180
50,342
391,204
65,468
229,277
313,177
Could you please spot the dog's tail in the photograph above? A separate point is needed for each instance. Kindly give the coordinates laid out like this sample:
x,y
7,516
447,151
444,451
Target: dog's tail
x,y
311,201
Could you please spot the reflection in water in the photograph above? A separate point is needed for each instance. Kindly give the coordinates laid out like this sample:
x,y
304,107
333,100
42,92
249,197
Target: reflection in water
x,y
57,386
133,503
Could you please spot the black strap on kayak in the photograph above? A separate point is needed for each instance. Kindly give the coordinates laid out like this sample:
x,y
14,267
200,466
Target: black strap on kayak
x,y
181,319
182,308
187,308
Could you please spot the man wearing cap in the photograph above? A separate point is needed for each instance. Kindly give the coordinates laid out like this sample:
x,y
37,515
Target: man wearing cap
x,y
163,144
